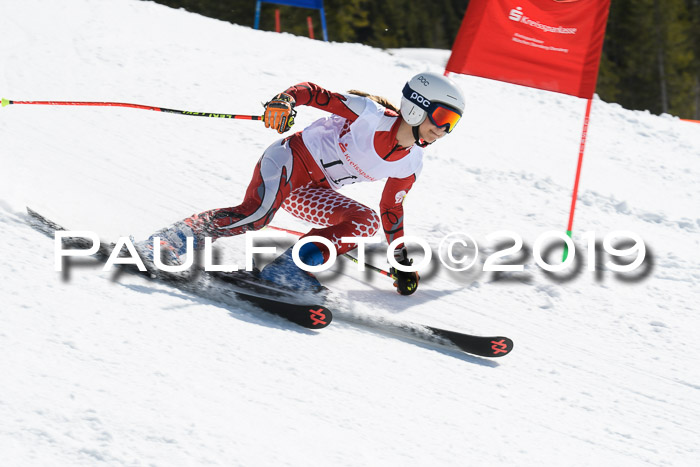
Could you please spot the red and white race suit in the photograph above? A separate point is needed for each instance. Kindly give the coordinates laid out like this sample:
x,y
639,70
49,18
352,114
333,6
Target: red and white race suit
x,y
301,173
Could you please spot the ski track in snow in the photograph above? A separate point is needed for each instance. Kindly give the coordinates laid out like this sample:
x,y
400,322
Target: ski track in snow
x,y
98,370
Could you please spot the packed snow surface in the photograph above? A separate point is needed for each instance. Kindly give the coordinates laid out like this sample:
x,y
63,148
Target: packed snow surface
x,y
98,370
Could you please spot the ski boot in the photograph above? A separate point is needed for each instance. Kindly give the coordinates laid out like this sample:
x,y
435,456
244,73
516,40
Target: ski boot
x,y
284,272
168,254
173,244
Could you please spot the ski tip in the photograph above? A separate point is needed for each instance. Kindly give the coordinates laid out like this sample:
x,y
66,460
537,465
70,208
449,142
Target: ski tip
x,y
483,346
500,346
5,102
319,317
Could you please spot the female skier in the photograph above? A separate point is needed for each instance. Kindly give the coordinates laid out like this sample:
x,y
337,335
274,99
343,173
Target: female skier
x,y
364,139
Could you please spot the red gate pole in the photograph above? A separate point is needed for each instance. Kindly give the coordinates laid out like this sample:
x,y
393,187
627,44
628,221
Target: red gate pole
x,y
584,135
311,26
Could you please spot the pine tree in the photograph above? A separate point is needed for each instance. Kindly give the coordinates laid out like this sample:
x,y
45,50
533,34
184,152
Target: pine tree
x,y
648,56
345,18
612,63
676,57
694,15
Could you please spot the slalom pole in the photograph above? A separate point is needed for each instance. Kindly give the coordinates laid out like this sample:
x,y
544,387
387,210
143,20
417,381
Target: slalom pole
x,y
347,255
6,102
582,147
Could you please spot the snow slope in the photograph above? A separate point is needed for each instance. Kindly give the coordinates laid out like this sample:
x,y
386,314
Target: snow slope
x,y
98,370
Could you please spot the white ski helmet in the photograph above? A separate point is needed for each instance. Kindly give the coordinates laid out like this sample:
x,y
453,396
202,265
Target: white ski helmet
x,y
425,94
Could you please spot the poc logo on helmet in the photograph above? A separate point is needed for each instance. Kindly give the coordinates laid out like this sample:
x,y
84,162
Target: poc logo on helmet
x,y
417,98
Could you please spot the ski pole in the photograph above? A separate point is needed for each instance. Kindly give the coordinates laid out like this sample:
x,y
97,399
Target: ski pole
x,y
371,267
347,255
6,102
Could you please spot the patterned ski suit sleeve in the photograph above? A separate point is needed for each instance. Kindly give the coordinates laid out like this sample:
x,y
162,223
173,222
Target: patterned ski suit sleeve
x,y
347,106
391,206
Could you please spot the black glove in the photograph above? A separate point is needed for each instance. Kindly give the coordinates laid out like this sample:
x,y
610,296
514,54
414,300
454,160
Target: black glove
x,y
406,282
280,113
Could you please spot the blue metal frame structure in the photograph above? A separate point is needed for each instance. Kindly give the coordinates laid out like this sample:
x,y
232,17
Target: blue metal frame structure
x,y
313,4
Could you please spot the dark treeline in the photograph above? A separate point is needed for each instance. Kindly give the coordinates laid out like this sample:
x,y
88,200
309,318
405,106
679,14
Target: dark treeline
x,y
651,56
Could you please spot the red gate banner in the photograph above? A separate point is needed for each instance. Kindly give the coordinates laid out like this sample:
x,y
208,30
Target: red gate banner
x,y
545,44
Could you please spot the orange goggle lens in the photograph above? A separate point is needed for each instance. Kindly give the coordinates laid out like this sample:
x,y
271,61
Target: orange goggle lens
x,y
444,117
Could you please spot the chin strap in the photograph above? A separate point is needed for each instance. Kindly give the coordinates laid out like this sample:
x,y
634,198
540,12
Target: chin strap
x,y
419,142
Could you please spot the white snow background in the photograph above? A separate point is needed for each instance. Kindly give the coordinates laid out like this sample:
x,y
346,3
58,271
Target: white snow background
x,y
97,371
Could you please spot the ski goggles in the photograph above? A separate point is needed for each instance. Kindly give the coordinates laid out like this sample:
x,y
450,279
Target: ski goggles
x,y
442,116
